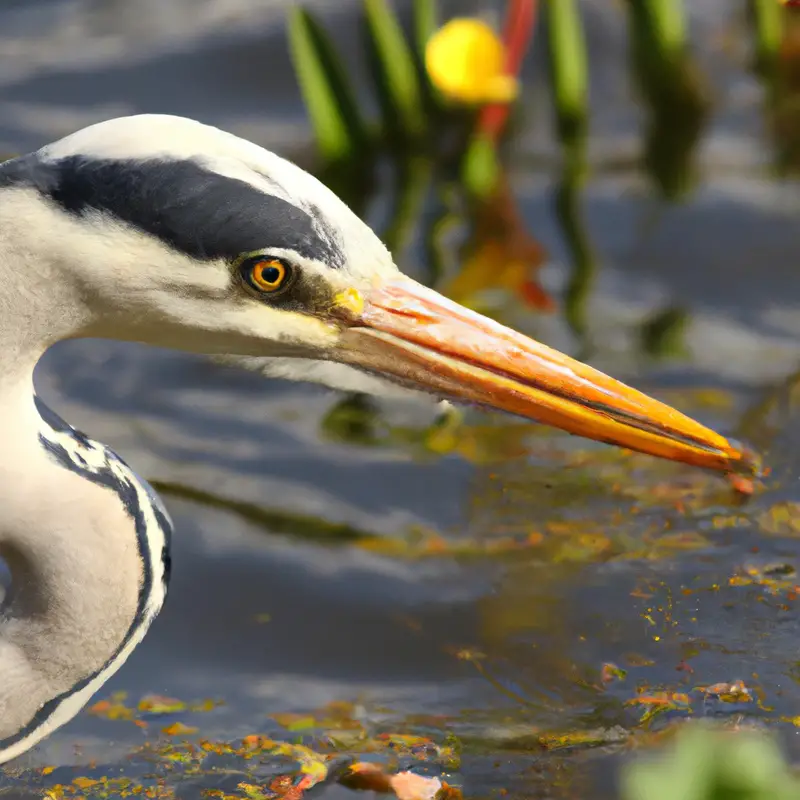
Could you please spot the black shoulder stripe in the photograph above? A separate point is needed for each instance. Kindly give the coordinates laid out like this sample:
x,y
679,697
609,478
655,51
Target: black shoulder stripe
x,y
129,496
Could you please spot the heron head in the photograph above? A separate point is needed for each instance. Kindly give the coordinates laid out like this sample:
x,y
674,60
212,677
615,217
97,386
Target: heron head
x,y
166,231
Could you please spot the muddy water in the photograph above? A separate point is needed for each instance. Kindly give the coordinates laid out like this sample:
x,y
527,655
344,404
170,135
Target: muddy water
x,y
525,593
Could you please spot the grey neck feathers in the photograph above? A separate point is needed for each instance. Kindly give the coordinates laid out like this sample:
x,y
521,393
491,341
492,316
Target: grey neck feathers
x,y
38,307
86,543
75,567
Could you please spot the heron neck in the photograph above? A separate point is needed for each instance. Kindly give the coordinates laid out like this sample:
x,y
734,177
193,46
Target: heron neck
x,y
84,584
76,568
39,304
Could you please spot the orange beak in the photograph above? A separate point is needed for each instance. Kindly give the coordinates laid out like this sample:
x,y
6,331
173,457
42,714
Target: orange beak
x,y
425,341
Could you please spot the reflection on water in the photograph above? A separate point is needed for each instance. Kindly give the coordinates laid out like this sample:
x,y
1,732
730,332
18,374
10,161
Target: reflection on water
x,y
349,570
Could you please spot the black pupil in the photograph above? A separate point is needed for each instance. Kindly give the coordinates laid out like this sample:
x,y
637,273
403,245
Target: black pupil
x,y
271,275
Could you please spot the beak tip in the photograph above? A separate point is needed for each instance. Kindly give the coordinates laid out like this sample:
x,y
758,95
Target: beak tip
x,y
749,462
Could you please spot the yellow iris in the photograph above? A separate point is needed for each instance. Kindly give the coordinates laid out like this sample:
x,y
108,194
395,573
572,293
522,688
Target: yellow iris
x,y
465,60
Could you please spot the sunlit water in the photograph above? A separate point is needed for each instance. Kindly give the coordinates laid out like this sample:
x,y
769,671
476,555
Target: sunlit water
x,y
514,563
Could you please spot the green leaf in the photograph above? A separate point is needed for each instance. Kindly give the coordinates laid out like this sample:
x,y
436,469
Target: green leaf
x,y
568,71
767,26
425,22
480,168
576,236
659,27
332,108
675,91
685,771
397,81
752,764
664,332
708,764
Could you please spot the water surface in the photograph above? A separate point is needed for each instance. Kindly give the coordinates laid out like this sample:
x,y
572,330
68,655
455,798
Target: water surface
x,y
469,583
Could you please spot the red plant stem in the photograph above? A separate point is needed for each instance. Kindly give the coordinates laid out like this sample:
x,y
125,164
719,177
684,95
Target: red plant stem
x,y
517,34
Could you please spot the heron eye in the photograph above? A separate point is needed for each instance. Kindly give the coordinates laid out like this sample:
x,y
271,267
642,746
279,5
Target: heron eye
x,y
266,274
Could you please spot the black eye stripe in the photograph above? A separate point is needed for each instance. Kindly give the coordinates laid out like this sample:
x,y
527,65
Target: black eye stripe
x,y
186,205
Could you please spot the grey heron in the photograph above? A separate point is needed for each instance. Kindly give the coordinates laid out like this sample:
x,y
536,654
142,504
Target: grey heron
x,y
165,231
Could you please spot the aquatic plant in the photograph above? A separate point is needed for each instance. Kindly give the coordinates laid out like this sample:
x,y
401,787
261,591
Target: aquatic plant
x,y
708,764
444,95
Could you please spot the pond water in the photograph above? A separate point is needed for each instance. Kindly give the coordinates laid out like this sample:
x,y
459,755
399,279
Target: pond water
x,y
348,571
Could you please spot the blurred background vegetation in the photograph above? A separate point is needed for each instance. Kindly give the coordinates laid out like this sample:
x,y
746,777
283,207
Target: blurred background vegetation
x,y
447,112
448,98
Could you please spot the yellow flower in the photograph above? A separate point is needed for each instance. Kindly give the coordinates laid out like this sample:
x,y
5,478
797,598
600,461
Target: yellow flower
x,y
465,60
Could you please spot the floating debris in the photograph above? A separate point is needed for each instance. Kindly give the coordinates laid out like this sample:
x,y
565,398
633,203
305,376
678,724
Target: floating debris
x,y
735,692
611,672
404,785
